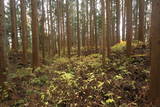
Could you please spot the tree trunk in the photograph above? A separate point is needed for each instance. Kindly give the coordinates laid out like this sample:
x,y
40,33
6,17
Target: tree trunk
x,y
155,53
95,24
87,29
118,20
108,21
3,56
83,6
14,26
136,20
141,20
103,32
123,21
58,28
24,31
43,32
35,37
129,26
78,29
68,27
91,24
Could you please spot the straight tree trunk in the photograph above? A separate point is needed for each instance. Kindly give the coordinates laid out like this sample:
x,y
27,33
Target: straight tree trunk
x,y
68,27
24,30
129,26
83,6
91,24
118,20
141,20
58,28
95,24
123,21
103,32
136,20
14,26
87,28
108,21
35,37
43,32
3,58
63,29
49,28
155,53
52,30
78,29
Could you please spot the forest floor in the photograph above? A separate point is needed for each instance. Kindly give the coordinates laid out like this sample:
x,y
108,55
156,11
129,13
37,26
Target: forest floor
x,y
82,81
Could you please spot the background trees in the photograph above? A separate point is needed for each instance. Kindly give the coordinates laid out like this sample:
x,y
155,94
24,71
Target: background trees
x,y
74,24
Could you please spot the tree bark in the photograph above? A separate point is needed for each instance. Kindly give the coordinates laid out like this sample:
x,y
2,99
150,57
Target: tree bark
x,y
24,31
78,29
14,26
35,37
141,20
108,23
129,26
123,21
43,32
103,32
118,20
3,56
95,24
155,53
68,27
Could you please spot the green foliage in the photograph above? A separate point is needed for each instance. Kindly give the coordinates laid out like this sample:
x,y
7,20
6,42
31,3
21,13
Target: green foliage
x,y
119,47
4,94
137,43
118,77
84,79
62,60
40,80
20,73
19,103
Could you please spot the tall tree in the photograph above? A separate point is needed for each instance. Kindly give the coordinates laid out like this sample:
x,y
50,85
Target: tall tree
x,y
129,26
3,59
43,32
58,27
95,24
118,21
91,24
35,37
68,27
51,25
136,20
141,20
123,20
78,29
103,32
155,52
24,30
83,9
108,23
87,28
14,25
48,28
